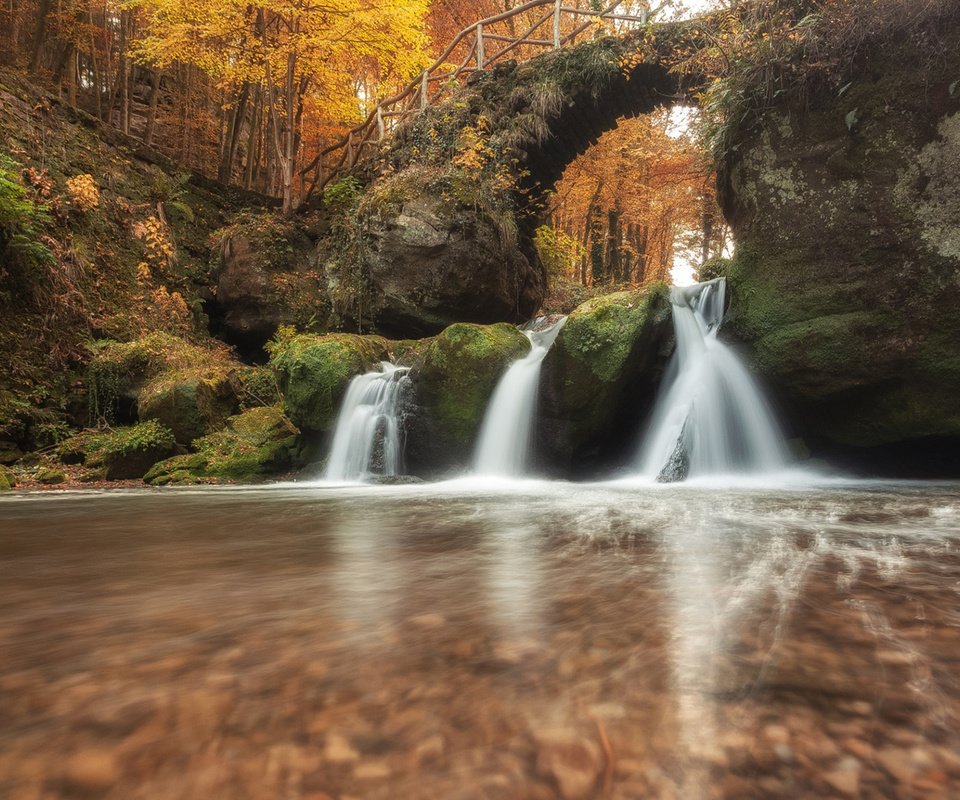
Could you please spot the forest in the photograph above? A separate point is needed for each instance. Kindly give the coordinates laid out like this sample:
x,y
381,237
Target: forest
x,y
479,399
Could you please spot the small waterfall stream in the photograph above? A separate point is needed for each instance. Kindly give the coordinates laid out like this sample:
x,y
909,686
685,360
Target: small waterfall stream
x,y
710,417
367,438
504,443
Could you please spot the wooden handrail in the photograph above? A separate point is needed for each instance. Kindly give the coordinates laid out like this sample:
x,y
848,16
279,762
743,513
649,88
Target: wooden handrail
x,y
415,96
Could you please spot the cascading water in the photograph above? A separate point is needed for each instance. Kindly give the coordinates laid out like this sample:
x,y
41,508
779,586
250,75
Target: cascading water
x,y
504,443
711,417
367,437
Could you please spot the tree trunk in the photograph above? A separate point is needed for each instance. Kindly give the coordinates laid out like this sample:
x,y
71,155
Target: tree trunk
x,y
152,113
234,126
38,35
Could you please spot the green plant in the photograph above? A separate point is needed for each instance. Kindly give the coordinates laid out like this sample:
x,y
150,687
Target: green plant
x,y
344,192
22,251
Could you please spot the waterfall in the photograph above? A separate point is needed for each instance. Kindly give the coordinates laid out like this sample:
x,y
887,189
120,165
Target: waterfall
x,y
367,437
504,443
710,417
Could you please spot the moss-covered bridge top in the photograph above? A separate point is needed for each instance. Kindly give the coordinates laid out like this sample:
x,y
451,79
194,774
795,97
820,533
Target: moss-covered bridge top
x,y
531,118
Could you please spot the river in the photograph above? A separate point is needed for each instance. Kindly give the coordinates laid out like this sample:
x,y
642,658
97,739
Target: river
x,y
473,640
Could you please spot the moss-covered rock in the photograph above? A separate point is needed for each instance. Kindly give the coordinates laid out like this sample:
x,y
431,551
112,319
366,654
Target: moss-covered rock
x,y
452,384
118,371
846,278
314,372
7,479
600,377
253,446
188,402
128,453
49,476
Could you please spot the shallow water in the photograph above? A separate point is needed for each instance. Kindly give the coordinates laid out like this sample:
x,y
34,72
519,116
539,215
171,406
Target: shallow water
x,y
472,641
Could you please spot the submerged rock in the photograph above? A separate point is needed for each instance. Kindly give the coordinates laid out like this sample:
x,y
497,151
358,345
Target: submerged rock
x,y
450,388
600,378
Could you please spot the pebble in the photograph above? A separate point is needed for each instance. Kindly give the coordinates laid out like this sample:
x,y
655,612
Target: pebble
x,y
92,770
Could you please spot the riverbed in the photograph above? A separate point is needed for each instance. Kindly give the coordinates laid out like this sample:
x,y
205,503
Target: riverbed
x,y
470,640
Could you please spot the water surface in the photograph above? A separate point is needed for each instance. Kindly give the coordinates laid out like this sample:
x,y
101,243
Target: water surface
x,y
456,641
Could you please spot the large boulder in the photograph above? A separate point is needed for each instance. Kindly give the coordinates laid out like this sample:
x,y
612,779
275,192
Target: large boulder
x,y
189,403
451,387
265,277
431,260
846,279
314,372
119,372
600,379
128,453
255,445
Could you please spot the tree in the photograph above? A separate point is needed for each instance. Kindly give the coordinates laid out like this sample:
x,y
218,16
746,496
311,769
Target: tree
x,y
295,53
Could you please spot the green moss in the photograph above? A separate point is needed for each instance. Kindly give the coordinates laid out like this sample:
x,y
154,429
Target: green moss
x,y
190,403
49,476
601,333
609,346
314,372
254,445
120,369
129,452
7,479
459,371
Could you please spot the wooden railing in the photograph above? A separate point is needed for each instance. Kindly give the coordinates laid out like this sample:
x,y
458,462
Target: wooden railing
x,y
439,78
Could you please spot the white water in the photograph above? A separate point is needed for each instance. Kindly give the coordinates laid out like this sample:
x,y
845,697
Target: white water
x,y
504,444
368,430
710,399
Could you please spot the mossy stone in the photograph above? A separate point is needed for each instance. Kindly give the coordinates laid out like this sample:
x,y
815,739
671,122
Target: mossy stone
x,y
453,383
602,373
49,476
191,404
7,479
314,372
252,446
128,453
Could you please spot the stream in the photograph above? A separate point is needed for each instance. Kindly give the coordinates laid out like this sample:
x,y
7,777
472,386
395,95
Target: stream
x,y
477,639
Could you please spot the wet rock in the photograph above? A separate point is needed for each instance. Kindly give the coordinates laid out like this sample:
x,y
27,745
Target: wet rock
x,y
865,367
677,467
314,372
600,378
845,778
338,750
451,386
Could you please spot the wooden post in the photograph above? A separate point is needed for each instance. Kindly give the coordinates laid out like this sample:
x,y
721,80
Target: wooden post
x,y
424,90
381,128
480,46
556,24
